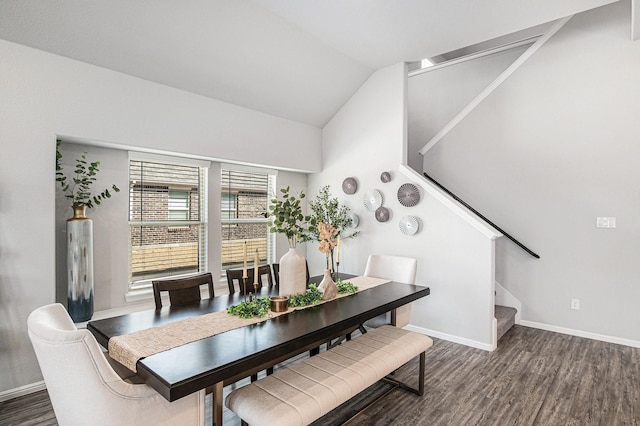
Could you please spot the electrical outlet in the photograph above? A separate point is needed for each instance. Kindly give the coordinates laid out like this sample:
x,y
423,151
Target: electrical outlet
x,y
575,304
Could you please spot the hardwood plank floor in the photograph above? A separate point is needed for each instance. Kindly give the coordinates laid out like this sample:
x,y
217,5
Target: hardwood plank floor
x,y
535,377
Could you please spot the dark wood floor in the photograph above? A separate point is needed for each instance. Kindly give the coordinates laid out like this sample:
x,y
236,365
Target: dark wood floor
x,y
535,377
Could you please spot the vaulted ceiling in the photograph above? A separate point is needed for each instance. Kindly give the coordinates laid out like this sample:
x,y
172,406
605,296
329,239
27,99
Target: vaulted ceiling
x,y
296,59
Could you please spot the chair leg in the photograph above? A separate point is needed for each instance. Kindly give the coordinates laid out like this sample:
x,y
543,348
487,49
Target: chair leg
x,y
254,377
269,371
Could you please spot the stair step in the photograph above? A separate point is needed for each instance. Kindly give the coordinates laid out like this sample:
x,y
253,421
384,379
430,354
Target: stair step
x,y
506,317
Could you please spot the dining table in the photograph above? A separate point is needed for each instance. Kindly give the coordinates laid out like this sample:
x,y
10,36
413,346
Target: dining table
x,y
225,358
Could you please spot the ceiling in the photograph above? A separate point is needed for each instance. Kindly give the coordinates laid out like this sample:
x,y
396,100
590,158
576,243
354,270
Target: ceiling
x,y
296,59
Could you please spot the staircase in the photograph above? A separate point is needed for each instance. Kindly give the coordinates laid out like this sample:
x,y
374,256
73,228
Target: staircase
x,y
505,317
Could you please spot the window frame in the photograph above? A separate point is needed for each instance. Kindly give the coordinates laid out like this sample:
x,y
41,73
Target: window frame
x,y
237,221
201,221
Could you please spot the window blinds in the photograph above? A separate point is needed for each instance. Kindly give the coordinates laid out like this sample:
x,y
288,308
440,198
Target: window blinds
x,y
245,195
167,219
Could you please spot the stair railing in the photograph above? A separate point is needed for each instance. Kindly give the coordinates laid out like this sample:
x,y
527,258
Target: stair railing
x,y
481,216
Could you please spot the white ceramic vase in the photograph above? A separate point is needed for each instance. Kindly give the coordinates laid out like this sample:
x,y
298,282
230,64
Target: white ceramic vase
x,y
328,287
293,273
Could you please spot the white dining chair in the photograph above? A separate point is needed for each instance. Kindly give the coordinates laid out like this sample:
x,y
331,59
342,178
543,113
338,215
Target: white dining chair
x,y
395,268
85,389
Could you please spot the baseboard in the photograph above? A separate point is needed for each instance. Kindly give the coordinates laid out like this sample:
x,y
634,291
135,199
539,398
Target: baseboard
x,y
22,391
450,338
578,333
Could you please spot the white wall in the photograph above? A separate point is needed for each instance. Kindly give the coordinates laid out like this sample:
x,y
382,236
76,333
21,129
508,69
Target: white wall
x,y
456,261
436,96
44,95
551,149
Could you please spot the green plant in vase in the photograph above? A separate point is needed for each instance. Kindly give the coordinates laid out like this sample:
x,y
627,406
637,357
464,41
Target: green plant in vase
x,y
326,209
78,188
287,218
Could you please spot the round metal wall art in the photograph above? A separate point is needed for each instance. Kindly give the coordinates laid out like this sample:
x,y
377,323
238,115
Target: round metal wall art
x,y
408,195
382,214
350,186
355,220
372,199
409,225
385,177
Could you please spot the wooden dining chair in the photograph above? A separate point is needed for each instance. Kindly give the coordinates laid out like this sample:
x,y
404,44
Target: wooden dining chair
x,y
276,272
234,279
182,291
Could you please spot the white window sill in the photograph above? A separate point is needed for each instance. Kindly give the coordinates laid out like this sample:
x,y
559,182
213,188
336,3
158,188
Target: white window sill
x,y
138,294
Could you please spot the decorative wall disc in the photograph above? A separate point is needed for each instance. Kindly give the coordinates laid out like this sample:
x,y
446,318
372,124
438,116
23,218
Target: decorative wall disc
x,y
382,214
355,220
350,185
408,195
409,225
385,177
372,199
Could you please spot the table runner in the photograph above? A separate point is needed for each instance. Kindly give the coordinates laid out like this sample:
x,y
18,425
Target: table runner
x,y
129,348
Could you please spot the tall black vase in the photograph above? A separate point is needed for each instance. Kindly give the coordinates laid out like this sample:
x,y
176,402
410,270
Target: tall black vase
x,y
80,265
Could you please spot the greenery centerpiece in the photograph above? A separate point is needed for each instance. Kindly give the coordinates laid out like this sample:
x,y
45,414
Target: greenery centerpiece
x,y
309,297
257,307
346,287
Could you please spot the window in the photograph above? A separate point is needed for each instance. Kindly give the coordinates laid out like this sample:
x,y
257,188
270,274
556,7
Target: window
x,y
167,217
245,194
178,205
229,206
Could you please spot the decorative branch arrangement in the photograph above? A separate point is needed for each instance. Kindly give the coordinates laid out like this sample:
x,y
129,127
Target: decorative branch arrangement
x,y
78,188
287,216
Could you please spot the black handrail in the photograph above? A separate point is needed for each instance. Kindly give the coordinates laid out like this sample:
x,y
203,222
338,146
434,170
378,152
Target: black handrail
x,y
481,216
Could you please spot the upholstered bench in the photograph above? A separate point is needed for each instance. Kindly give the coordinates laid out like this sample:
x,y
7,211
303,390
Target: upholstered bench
x,y
308,389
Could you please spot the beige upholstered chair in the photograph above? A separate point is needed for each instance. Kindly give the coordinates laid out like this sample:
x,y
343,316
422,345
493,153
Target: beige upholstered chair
x,y
85,389
395,268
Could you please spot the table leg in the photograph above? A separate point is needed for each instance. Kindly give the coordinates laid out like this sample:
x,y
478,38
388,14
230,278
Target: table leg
x,y
401,316
216,399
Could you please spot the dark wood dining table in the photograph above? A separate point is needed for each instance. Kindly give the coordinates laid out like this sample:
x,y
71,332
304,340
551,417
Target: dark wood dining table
x,y
227,357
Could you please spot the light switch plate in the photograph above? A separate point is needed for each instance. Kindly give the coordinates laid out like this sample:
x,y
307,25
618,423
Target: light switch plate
x,y
605,222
